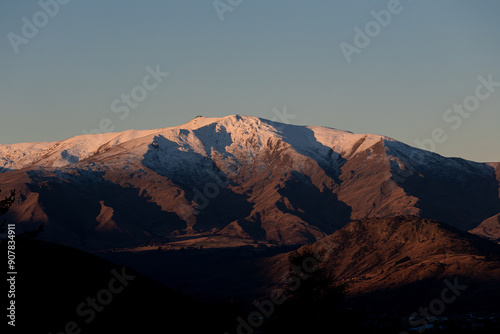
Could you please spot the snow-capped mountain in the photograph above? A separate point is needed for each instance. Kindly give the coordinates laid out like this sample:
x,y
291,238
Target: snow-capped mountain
x,y
228,136
238,176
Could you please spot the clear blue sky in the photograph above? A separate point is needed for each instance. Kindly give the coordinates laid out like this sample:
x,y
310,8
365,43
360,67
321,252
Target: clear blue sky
x,y
263,55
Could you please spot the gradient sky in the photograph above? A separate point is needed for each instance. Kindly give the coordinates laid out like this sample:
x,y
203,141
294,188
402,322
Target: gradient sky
x,y
263,55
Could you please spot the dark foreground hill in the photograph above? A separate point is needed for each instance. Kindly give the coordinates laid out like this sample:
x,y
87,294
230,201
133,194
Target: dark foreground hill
x,y
393,267
63,290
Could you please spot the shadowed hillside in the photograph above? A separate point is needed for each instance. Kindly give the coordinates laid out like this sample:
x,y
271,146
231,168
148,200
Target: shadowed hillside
x,y
53,281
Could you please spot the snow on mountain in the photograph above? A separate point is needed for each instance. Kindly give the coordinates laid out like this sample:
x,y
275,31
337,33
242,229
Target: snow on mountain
x,y
62,153
286,183
227,136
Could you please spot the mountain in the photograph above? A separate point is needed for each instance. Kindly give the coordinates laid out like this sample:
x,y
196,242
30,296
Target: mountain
x,y
404,262
240,177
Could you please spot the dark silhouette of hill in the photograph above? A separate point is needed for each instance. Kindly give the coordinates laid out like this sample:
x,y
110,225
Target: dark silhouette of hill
x,y
53,281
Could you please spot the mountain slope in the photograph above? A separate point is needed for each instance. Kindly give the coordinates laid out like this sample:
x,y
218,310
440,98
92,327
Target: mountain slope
x,y
389,264
236,176
405,260
489,229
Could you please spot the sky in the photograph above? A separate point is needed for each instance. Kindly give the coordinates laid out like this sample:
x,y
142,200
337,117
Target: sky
x,y
423,72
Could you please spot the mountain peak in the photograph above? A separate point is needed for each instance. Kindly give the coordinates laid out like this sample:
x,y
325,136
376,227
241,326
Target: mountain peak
x,y
200,121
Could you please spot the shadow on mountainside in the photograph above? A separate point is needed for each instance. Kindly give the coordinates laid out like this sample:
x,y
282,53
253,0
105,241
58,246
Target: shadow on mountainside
x,y
73,203
322,209
445,198
329,160
204,183
455,191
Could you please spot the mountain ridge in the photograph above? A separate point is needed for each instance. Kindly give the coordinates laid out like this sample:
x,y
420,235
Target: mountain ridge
x,y
237,176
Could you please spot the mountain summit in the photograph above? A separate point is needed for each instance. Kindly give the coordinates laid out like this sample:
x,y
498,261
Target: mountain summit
x,y
237,176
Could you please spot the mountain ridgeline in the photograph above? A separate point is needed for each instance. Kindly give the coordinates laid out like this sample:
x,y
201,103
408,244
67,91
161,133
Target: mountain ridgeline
x,y
241,177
